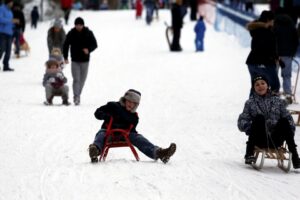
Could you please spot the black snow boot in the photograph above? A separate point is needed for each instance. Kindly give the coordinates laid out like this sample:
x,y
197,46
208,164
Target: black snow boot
x,y
94,153
249,159
295,160
165,154
66,102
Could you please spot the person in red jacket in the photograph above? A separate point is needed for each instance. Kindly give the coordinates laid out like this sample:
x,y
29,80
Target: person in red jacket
x,y
66,6
138,9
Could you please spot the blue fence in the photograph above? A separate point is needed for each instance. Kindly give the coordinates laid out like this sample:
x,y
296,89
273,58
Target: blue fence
x,y
233,22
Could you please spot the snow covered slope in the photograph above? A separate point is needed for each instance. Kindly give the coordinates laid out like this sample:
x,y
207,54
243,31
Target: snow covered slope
x,y
192,99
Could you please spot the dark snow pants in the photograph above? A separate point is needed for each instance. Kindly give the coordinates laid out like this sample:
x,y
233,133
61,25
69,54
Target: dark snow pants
x,y
259,137
136,139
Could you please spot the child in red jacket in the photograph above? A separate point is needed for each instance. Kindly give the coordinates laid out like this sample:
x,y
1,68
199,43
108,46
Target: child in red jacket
x,y
138,9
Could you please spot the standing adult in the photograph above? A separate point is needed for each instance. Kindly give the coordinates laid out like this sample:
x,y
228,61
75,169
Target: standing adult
x,y
18,28
150,5
6,32
287,44
263,56
66,6
177,22
194,7
34,17
56,36
82,42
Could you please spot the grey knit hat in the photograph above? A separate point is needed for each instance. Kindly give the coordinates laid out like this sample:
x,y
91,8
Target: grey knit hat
x,y
133,96
57,23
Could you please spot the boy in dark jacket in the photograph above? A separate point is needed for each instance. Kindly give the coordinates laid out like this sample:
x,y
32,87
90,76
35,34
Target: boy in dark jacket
x,y
82,42
124,114
54,82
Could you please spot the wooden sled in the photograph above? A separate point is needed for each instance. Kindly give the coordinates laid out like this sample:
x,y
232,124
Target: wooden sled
x,y
169,34
294,108
282,155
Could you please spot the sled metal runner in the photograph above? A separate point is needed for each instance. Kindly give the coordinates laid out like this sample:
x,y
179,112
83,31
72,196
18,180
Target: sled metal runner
x,y
169,34
117,138
295,111
281,154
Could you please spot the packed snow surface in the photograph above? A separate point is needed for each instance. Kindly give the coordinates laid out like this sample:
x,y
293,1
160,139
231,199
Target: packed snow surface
x,y
192,99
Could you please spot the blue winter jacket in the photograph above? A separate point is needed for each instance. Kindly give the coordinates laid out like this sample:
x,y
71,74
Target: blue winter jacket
x,y
271,107
200,29
6,17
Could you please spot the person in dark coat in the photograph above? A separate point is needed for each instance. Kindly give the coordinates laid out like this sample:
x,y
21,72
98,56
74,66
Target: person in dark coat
x,y
267,122
18,28
34,17
200,31
287,44
194,8
177,22
123,113
263,56
82,42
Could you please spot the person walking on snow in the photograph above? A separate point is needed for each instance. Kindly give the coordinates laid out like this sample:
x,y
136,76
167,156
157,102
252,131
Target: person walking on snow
x,y
82,42
34,17
287,44
6,32
123,113
200,31
56,36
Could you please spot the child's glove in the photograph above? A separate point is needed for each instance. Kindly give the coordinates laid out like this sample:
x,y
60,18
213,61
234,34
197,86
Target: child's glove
x,y
60,76
51,80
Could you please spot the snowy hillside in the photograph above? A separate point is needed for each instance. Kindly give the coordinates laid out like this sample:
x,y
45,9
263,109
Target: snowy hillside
x,y
192,99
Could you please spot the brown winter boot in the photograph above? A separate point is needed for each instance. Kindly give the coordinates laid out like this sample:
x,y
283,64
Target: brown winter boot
x,y
94,153
165,154
66,102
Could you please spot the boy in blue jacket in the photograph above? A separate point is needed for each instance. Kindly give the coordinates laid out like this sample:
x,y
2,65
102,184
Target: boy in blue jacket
x,y
6,32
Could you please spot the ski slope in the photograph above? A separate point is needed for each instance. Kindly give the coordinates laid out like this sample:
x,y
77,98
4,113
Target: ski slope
x,y
192,99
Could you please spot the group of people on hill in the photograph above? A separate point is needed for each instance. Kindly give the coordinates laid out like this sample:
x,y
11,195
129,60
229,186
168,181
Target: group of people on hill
x,y
12,28
265,118
80,41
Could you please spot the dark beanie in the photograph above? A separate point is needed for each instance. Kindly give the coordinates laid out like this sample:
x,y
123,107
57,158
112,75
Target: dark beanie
x,y
266,16
79,20
260,77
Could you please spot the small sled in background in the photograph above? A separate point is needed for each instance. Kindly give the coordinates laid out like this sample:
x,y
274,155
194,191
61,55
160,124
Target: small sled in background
x,y
169,34
115,137
281,154
294,108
